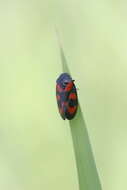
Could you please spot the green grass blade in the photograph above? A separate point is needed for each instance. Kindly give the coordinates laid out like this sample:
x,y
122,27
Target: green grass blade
x,y
87,172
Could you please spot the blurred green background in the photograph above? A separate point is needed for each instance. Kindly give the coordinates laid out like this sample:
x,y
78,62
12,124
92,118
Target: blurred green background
x,y
36,149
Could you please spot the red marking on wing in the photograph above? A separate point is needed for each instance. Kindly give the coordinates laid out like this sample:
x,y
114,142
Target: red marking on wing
x,y
72,96
69,86
72,110
59,89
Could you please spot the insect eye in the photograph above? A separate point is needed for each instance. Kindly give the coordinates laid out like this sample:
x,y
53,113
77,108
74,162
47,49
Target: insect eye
x,y
65,83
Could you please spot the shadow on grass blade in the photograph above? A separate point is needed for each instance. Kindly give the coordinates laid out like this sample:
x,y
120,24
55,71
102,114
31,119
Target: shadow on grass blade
x,y
87,172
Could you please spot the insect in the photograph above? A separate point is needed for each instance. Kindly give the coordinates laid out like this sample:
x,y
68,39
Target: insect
x,y
66,95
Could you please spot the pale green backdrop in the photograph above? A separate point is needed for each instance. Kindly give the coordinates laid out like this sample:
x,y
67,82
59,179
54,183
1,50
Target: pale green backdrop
x,y
36,149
